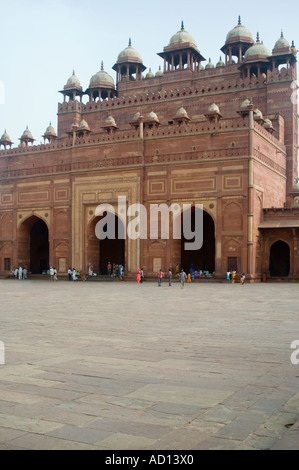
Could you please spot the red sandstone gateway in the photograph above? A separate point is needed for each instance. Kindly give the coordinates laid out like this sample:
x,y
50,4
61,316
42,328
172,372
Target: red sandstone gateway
x,y
222,136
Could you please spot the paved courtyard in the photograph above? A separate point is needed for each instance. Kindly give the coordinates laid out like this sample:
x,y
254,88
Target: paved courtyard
x,y
122,366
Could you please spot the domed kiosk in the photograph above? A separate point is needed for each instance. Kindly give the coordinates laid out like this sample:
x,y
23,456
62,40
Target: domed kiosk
x,y
129,64
181,52
238,40
101,86
72,89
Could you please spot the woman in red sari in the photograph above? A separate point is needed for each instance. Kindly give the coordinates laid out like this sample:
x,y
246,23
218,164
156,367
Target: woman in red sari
x,y
138,276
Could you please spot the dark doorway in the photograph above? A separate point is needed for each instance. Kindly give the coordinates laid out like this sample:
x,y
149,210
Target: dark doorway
x,y
204,258
280,259
112,250
39,247
100,252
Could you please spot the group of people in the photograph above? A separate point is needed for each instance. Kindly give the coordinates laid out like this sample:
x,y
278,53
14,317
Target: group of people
x,y
75,275
160,275
232,275
116,270
53,273
20,273
182,277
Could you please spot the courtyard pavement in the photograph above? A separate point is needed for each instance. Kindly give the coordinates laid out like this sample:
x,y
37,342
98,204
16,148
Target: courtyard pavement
x,y
121,366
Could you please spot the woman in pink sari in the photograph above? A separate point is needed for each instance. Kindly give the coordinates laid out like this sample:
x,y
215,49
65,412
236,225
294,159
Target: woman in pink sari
x,y
138,275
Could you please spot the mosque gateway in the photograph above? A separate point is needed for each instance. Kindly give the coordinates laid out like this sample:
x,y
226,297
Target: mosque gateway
x,y
220,139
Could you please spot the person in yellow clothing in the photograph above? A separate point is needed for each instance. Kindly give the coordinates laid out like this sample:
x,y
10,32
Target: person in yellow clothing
x,y
234,277
189,277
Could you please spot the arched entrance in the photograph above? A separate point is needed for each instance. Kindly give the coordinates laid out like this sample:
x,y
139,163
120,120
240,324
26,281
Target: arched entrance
x,y
280,259
100,252
204,258
33,245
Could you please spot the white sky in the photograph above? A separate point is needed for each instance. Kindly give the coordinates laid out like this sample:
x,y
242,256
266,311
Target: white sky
x,y
43,41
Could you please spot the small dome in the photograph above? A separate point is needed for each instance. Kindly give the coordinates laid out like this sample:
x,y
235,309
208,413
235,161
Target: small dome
x,y
152,116
27,133
136,116
258,114
150,74
210,65
50,130
83,125
268,125
129,54
257,49
5,137
220,63
159,73
282,43
239,32
73,81
181,37
246,103
111,121
213,108
101,78
181,112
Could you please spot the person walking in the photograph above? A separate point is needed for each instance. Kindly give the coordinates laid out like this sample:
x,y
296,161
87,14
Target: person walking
x,y
182,277
20,272
169,276
138,276
141,275
51,273
160,277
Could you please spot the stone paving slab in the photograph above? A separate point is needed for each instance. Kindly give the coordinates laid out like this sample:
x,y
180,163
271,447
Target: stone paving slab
x,y
122,366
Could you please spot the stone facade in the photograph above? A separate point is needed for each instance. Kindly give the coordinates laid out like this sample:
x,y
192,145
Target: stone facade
x,y
222,136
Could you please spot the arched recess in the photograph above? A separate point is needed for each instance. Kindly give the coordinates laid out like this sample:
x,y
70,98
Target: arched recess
x,y
100,252
279,259
232,217
204,257
232,255
33,245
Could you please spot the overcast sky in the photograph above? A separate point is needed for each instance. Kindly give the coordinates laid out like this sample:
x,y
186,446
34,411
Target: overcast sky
x,y
43,41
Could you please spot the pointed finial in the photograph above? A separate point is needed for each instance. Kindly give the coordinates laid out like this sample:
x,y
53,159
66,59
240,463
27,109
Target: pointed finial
x,y
239,20
281,33
257,37
102,65
73,72
130,42
182,26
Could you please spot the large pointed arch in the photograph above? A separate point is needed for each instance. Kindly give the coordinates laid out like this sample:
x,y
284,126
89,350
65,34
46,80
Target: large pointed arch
x,y
100,252
33,245
203,258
